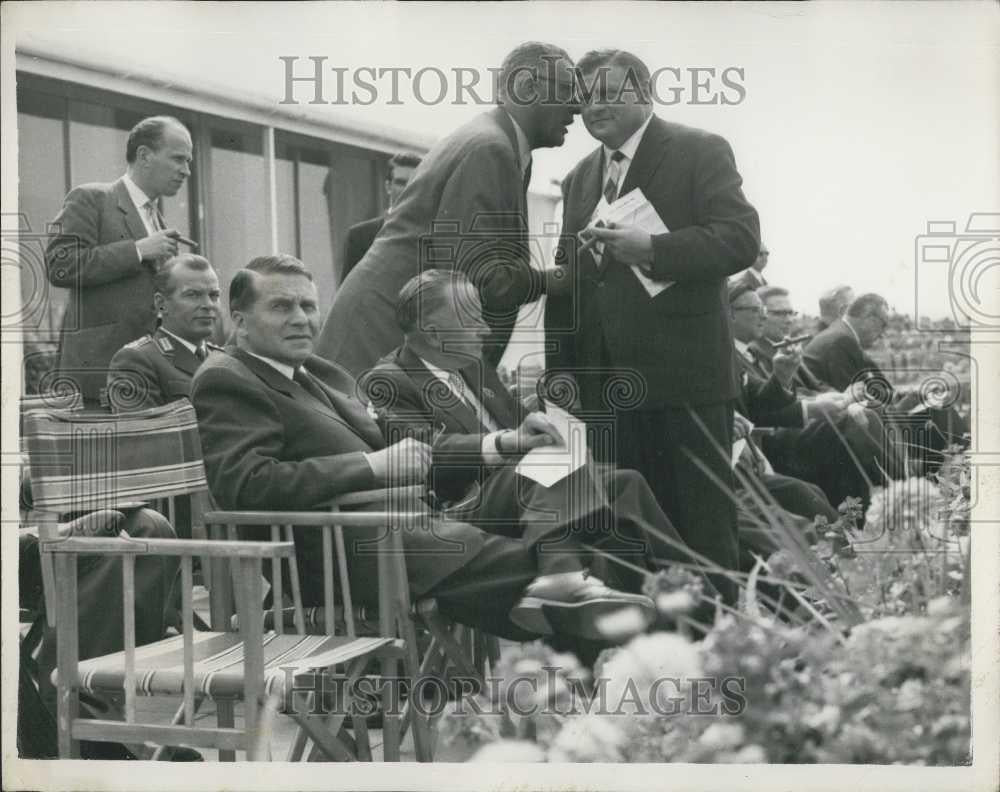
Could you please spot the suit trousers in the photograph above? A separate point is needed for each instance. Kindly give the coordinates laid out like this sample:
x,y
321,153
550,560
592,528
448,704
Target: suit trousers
x,y
683,453
100,599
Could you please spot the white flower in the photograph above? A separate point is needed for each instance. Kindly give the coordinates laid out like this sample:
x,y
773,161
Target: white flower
x,y
633,669
589,738
509,751
722,736
911,695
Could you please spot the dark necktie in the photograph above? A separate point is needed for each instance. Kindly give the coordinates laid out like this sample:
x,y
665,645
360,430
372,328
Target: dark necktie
x,y
614,174
200,352
527,177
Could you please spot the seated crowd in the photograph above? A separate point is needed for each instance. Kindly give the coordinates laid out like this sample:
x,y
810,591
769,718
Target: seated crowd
x,y
282,428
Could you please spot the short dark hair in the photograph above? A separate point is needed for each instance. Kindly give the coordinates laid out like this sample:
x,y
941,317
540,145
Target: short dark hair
x,y
637,72
242,294
425,293
736,289
149,133
867,304
767,292
830,301
403,159
164,269
529,55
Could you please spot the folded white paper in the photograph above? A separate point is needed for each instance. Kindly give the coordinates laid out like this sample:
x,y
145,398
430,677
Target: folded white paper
x,y
550,464
632,209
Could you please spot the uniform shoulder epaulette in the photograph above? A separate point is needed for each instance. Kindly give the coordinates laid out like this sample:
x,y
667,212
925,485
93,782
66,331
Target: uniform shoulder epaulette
x,y
139,343
164,344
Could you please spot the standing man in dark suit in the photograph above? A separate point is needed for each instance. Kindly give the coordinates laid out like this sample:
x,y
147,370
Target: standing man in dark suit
x,y
753,276
465,209
361,236
282,430
109,239
677,344
158,367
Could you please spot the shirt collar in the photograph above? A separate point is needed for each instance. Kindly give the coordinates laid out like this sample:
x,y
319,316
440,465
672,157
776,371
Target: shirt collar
x,y
284,368
628,148
192,347
440,373
523,148
139,198
743,348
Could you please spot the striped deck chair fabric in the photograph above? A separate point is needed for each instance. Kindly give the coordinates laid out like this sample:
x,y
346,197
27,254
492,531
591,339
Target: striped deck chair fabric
x,y
83,461
218,663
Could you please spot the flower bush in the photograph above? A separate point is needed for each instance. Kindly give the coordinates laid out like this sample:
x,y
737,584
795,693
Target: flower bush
x,y
884,681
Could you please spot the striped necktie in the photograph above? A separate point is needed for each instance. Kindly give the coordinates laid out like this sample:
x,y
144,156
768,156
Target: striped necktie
x,y
614,174
154,216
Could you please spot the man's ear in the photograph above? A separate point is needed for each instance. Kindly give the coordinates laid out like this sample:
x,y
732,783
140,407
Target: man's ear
x,y
159,301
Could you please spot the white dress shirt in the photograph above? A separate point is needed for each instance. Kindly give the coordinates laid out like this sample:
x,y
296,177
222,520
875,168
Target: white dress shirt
x,y
628,149
488,446
141,201
283,368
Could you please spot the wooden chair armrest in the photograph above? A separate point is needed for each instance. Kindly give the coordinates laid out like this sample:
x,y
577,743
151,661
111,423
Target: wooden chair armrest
x,y
82,545
310,519
414,491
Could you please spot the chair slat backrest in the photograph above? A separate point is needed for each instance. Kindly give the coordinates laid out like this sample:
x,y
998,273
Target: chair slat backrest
x,y
82,461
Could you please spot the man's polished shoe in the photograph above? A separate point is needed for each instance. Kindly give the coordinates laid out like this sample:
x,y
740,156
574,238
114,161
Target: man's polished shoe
x,y
573,603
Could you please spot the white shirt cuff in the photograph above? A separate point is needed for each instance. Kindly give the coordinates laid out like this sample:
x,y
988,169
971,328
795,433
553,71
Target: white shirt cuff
x,y
138,253
489,449
805,412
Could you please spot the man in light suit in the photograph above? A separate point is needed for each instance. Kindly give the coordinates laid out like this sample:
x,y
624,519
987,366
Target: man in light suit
x,y
465,209
110,237
281,430
157,368
677,346
361,235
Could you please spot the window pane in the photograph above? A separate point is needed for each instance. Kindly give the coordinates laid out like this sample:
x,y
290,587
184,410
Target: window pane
x,y
238,227
317,243
41,165
351,198
285,188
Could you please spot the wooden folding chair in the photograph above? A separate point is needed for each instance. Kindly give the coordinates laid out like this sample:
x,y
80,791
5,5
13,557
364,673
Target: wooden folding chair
x,y
82,462
452,649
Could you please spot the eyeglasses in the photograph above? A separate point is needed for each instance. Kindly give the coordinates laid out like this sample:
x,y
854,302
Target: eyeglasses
x,y
783,313
754,308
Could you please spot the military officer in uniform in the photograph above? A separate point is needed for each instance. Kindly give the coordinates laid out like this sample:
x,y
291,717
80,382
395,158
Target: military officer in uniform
x,y
157,368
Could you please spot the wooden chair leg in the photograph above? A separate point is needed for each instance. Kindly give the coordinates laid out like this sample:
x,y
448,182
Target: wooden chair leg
x,y
411,666
225,716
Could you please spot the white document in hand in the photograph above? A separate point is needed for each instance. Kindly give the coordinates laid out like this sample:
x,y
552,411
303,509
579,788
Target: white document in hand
x,y
550,464
632,209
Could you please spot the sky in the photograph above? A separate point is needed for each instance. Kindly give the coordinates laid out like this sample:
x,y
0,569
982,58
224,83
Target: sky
x,y
858,123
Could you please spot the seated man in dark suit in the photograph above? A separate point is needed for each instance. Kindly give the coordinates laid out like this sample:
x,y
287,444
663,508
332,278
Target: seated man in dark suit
x,y
838,358
806,438
157,368
280,430
99,595
361,235
438,385
753,276
779,320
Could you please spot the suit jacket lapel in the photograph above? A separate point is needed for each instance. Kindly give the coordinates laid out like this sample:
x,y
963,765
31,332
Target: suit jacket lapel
x,y
426,383
133,222
351,412
279,382
647,157
495,398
